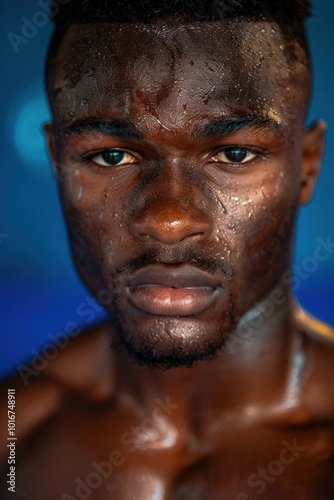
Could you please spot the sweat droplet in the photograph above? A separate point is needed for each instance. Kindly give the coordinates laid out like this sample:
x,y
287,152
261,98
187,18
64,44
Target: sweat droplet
x,y
223,207
80,193
89,72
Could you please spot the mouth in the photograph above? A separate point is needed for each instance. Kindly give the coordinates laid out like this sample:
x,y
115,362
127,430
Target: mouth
x,y
167,290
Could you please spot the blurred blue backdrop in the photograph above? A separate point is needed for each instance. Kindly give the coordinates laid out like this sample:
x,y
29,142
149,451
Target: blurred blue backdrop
x,y
39,291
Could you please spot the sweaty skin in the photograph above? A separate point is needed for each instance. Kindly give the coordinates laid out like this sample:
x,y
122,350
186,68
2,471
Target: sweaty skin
x,y
174,198
182,158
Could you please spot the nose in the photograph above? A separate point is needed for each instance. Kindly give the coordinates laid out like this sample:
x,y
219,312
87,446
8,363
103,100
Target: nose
x,y
172,217
169,224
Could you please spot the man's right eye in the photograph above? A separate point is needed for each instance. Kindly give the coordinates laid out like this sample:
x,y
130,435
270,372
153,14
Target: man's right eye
x,y
111,158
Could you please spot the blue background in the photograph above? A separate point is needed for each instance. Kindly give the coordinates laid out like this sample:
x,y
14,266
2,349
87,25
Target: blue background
x,y
39,290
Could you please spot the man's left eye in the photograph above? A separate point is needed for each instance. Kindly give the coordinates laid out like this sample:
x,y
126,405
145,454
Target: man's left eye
x,y
113,158
234,155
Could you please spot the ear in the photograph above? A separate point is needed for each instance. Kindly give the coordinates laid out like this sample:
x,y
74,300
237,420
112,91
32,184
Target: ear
x,y
52,146
313,150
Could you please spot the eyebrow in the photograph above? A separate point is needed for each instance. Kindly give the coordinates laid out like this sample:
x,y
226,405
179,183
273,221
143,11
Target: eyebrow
x,y
120,129
224,127
123,129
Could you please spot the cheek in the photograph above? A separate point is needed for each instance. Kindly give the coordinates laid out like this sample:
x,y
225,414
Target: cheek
x,y
95,213
260,217
273,219
259,221
248,198
267,244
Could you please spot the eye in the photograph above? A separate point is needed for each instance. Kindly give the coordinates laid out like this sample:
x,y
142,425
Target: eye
x,y
112,158
235,154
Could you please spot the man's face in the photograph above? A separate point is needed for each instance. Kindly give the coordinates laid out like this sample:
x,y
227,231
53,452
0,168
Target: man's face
x,y
181,149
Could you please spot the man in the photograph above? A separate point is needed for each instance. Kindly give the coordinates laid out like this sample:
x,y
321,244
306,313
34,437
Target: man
x,y
179,145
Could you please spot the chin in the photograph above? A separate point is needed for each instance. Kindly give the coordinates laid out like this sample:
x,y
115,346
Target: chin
x,y
172,342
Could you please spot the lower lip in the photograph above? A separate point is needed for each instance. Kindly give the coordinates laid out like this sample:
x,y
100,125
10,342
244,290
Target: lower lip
x,y
164,301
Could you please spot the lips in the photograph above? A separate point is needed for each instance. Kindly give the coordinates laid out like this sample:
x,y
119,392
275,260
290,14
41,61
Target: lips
x,y
166,290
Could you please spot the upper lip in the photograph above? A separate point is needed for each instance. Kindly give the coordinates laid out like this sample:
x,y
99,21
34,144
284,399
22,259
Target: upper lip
x,y
171,276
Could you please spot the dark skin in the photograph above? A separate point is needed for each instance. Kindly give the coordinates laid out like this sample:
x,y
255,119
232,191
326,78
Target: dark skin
x,y
181,166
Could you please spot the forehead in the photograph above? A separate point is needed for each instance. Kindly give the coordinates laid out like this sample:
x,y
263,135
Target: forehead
x,y
111,67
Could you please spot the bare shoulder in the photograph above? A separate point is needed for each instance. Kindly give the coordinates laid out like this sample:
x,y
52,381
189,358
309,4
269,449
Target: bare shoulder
x,y
40,386
319,362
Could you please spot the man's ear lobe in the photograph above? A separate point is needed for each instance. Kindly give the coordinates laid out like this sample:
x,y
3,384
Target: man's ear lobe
x,y
313,150
52,147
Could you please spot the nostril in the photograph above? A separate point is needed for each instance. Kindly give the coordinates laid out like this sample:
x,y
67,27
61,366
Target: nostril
x,y
143,236
171,226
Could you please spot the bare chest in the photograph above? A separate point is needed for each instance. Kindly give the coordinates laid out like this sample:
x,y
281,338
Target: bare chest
x,y
103,457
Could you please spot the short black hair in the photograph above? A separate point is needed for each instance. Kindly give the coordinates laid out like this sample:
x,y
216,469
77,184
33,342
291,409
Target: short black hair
x,y
289,14
81,11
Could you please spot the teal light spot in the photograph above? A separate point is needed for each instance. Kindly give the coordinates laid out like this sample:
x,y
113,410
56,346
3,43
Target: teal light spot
x,y
28,136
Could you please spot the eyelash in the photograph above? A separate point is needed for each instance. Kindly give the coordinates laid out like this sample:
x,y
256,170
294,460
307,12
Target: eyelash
x,y
88,159
258,153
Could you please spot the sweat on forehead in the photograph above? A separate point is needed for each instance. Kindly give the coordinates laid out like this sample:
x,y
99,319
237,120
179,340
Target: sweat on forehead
x,y
241,62
290,16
